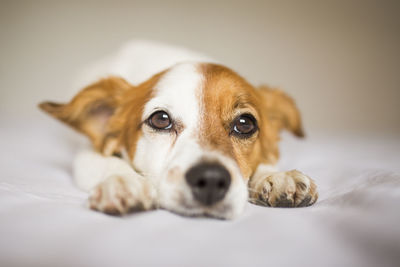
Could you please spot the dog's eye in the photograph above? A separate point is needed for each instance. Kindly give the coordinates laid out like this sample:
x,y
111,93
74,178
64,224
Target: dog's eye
x,y
160,120
244,126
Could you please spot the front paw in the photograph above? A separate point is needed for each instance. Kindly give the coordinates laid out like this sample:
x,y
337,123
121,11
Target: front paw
x,y
115,196
284,189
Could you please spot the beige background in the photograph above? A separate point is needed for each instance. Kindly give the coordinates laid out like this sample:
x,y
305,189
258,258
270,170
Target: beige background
x,y
339,59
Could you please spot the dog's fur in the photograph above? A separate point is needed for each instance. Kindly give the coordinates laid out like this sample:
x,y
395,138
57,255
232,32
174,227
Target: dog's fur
x,y
134,167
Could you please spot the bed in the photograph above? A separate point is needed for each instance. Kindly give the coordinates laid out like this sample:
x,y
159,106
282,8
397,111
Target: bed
x,y
356,222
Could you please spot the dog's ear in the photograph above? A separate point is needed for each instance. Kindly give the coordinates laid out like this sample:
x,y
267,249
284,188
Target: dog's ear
x,y
90,110
281,110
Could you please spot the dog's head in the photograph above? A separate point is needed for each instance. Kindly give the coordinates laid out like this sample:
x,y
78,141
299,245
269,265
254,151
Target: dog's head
x,y
198,130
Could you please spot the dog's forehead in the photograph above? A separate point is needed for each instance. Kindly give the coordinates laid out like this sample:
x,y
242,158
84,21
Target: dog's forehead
x,y
191,92
179,92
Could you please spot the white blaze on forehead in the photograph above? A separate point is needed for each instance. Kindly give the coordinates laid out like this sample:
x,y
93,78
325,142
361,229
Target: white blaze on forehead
x,y
178,92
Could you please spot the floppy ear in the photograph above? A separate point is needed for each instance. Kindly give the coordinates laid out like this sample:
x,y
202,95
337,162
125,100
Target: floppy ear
x,y
90,110
281,110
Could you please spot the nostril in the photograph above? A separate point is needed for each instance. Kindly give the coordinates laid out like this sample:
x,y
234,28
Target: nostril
x,y
201,183
221,184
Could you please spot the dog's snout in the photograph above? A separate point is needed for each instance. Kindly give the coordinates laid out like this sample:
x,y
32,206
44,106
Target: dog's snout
x,y
209,182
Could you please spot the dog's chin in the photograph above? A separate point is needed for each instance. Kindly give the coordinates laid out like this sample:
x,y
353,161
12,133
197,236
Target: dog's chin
x,y
206,212
223,210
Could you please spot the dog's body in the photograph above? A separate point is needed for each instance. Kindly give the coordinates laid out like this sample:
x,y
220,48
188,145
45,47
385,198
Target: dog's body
x,y
172,129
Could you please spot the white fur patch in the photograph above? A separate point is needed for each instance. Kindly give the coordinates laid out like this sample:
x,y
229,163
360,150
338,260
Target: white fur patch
x,y
175,93
178,91
91,168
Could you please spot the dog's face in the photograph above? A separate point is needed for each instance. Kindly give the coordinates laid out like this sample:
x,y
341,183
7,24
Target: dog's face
x,y
199,131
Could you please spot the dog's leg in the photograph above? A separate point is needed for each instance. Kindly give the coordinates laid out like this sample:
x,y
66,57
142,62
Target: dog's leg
x,y
114,187
268,187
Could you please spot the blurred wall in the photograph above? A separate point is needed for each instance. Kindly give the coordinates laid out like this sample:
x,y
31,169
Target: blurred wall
x,y
339,59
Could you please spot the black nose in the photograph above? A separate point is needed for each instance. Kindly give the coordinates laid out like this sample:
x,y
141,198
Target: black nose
x,y
209,182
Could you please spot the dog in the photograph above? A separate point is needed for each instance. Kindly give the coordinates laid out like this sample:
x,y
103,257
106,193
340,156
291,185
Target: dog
x,y
173,129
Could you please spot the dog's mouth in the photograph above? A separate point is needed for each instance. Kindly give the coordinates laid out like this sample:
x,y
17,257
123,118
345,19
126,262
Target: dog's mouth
x,y
219,210
188,208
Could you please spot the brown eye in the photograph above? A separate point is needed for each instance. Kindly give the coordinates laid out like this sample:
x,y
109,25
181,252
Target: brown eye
x,y
244,126
160,120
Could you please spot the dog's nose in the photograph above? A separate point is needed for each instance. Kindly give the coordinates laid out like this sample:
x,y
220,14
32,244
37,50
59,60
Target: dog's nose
x,y
209,182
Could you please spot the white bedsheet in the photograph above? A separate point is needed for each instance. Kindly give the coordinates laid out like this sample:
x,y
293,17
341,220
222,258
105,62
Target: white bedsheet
x,y
356,222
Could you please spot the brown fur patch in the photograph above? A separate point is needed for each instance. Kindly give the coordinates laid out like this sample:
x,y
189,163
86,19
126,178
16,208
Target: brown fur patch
x,y
281,110
227,95
127,122
91,109
109,112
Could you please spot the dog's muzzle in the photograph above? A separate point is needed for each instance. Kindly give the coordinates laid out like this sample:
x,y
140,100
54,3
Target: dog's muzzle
x,y
209,182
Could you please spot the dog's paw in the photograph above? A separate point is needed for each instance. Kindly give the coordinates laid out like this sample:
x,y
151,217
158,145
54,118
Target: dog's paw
x,y
284,189
115,196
